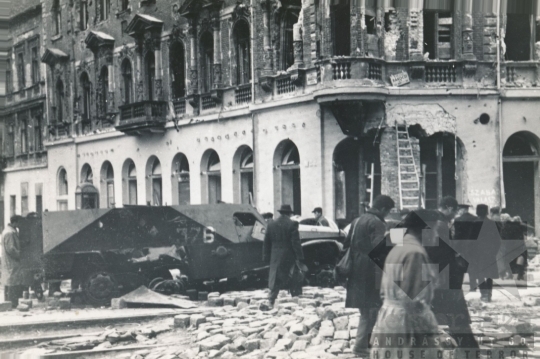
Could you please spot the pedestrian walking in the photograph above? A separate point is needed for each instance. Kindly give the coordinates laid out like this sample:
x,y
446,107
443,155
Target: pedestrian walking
x,y
363,285
282,248
449,303
503,264
488,245
464,229
407,286
12,271
517,230
321,220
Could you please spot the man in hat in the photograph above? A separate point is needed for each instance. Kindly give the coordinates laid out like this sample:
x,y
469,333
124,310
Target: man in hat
x,y
321,220
282,248
363,285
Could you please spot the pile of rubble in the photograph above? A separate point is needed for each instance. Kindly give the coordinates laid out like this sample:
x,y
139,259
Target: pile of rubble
x,y
314,325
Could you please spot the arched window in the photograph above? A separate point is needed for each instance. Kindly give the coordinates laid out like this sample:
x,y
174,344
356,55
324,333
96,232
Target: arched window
x,y
62,190
521,155
87,175
243,52
104,87
105,9
107,185
154,192
243,175
357,177
62,183
438,166
207,62
287,188
86,93
129,180
181,180
177,63
127,79
86,196
150,74
59,108
211,177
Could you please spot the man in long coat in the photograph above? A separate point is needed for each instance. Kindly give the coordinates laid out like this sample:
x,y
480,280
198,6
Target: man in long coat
x,y
12,273
363,285
282,248
489,242
449,303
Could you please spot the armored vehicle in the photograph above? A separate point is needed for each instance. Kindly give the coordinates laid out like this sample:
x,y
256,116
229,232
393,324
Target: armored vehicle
x,y
108,252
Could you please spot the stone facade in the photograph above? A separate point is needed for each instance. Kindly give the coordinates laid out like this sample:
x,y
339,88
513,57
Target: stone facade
x,y
106,93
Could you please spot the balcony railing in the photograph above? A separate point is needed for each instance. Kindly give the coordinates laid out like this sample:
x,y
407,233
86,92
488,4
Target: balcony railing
x,y
179,106
207,102
521,74
284,85
341,69
26,160
243,94
141,117
441,73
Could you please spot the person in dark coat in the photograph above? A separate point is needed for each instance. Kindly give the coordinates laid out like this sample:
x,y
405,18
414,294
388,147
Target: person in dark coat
x,y
12,271
449,303
489,243
282,248
321,220
463,223
363,285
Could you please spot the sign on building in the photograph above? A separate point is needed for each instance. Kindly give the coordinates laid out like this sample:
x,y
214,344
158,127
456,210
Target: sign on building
x,y
399,79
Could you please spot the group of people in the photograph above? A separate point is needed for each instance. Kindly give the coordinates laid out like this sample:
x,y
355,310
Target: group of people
x,y
403,292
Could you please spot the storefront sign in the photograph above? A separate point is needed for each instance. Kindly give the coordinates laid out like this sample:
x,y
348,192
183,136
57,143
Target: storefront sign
x,y
399,79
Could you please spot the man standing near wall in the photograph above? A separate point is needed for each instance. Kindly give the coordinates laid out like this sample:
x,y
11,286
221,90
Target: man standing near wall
x,y
363,285
12,275
282,248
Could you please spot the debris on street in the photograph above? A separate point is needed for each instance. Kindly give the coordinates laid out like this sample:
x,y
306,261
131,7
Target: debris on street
x,y
143,296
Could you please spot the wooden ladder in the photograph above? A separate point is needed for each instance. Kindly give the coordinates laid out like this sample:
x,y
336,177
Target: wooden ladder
x,y
409,180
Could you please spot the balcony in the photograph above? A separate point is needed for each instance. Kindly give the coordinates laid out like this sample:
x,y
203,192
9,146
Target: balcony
x,y
33,159
521,74
143,117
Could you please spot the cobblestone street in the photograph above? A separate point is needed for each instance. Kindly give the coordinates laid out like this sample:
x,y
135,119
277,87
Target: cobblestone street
x,y
314,325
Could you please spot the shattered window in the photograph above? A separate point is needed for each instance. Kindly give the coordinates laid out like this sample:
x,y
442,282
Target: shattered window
x,y
178,70
341,28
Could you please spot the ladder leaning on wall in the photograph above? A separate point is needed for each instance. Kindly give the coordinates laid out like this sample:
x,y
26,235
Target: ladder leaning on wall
x,y
409,179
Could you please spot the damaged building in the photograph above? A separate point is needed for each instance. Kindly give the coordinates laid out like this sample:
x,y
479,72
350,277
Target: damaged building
x,y
307,102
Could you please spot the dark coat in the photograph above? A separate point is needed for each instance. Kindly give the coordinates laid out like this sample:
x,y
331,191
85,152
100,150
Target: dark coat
x,y
282,248
363,285
449,303
12,271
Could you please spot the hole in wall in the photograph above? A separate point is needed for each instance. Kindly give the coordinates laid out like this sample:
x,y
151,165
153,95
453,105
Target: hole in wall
x,y
484,119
